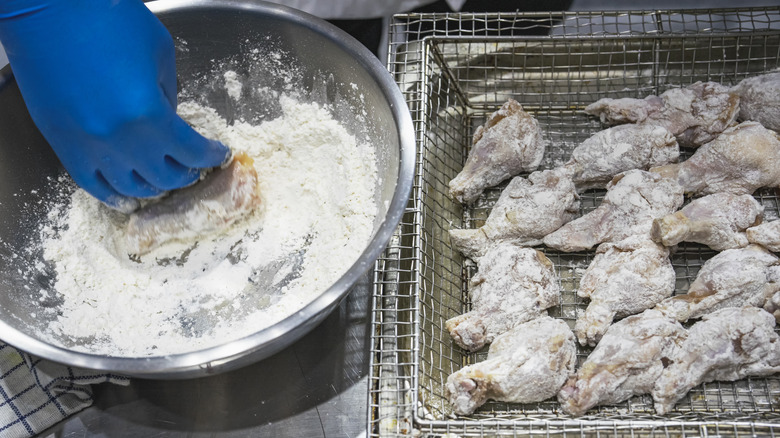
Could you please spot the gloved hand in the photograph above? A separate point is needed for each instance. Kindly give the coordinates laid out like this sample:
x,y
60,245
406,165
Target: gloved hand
x,y
99,80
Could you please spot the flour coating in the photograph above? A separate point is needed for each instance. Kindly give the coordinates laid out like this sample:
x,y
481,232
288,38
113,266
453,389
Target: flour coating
x,y
318,209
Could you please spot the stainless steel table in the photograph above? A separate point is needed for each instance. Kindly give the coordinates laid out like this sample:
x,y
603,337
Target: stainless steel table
x,y
315,388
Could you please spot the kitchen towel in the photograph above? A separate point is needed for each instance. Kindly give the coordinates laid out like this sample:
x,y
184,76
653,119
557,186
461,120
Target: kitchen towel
x,y
36,394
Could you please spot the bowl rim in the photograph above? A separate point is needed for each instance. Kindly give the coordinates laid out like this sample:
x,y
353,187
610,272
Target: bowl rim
x,y
264,343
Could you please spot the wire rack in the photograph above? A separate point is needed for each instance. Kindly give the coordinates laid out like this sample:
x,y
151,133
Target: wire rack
x,y
454,70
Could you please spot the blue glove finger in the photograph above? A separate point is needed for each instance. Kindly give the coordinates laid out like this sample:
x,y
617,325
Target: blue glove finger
x,y
99,188
127,183
167,174
194,150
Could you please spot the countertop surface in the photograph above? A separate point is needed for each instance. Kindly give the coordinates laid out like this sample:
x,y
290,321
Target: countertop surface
x,y
318,387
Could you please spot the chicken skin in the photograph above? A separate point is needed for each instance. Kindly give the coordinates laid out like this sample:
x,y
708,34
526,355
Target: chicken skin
x,y
513,285
624,278
718,221
695,114
634,198
733,278
726,345
609,152
509,143
225,196
627,362
527,364
766,234
759,99
526,211
739,161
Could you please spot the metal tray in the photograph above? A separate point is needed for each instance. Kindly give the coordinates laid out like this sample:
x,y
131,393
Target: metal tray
x,y
454,70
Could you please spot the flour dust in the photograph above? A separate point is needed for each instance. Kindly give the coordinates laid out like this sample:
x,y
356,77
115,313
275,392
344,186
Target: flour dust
x,y
317,183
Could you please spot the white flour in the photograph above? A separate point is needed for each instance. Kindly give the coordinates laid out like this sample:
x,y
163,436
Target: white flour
x,y
318,209
233,85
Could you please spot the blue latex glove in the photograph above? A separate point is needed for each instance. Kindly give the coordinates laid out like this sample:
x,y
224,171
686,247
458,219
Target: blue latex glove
x,y
99,80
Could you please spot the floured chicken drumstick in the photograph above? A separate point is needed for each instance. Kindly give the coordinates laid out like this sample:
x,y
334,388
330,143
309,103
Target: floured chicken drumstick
x,y
623,279
695,114
633,200
739,161
612,151
718,221
733,278
627,362
772,305
526,211
726,345
510,142
513,285
766,235
759,100
527,364
226,195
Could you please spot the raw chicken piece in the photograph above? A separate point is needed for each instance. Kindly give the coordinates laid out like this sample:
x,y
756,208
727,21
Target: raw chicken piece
x,y
612,151
766,235
633,200
226,195
739,161
627,362
718,221
759,99
510,142
526,211
726,345
527,364
695,114
513,285
623,279
733,278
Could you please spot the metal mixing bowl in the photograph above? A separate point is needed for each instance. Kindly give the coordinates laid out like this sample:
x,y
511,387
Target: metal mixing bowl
x,y
331,68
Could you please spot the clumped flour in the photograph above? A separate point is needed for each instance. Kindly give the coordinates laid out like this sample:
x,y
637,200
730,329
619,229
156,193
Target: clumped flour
x,y
318,208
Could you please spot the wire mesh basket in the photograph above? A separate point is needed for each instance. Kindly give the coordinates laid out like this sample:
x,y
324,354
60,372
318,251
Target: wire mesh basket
x,y
456,69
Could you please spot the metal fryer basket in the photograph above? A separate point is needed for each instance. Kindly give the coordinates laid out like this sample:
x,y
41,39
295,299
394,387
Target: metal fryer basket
x,y
454,70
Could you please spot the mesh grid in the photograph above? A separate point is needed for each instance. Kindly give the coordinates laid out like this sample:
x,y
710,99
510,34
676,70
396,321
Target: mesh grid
x,y
454,70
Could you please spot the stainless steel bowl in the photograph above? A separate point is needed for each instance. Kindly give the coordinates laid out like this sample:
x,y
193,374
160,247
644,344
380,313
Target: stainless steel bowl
x,y
332,68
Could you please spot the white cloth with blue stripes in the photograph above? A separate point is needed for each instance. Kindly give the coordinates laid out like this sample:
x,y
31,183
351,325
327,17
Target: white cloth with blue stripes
x,y
36,394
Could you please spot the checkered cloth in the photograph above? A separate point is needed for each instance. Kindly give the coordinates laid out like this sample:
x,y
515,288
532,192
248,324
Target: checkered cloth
x,y
36,394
